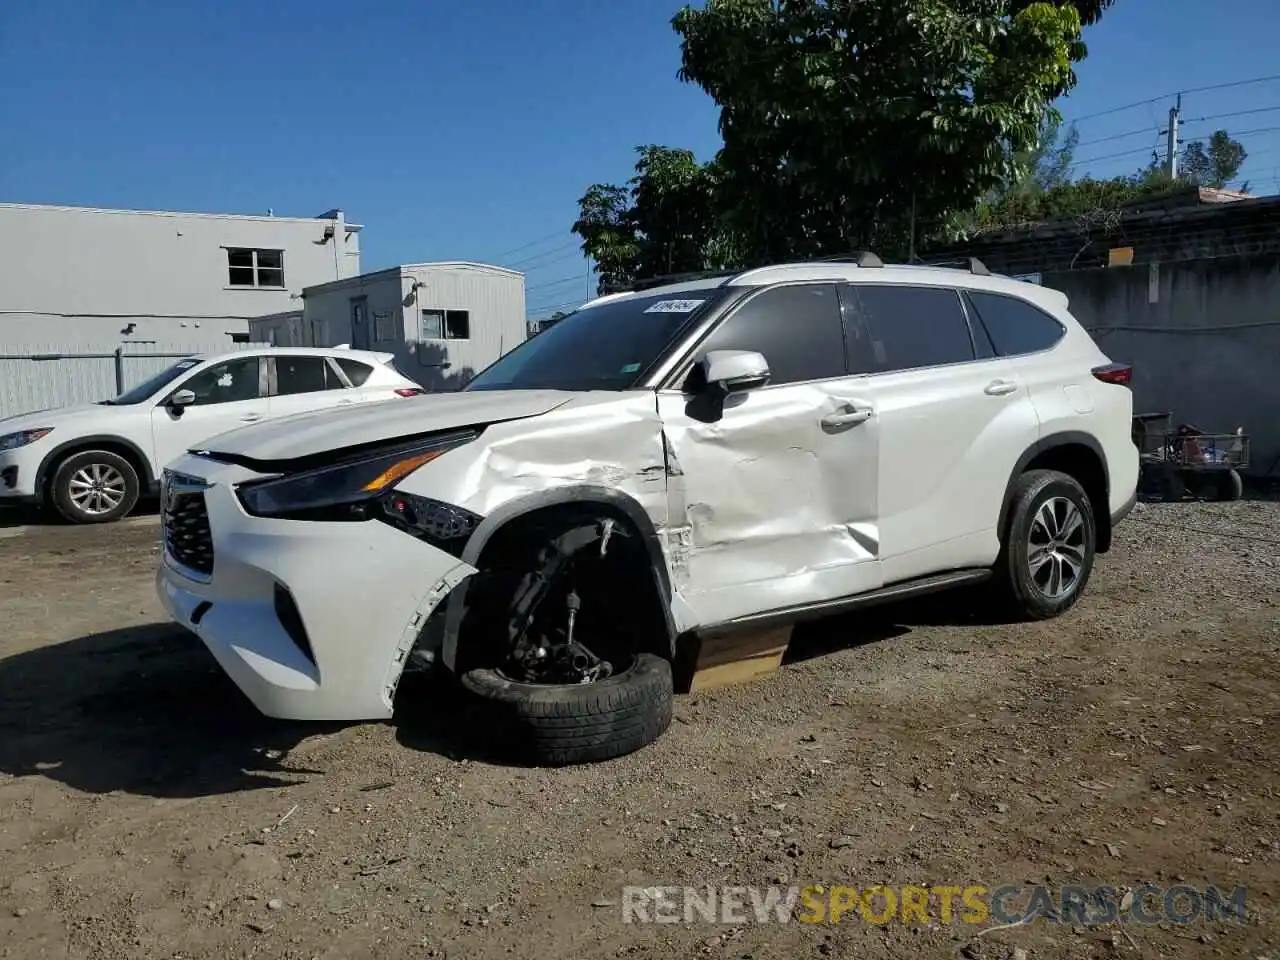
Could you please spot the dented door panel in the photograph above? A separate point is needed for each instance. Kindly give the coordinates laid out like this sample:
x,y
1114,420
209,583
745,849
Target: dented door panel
x,y
773,503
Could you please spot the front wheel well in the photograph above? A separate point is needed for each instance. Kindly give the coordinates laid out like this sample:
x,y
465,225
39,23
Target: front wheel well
x,y
121,448
1084,464
623,605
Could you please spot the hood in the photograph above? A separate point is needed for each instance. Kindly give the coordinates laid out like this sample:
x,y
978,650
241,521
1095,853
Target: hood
x,y
322,431
50,417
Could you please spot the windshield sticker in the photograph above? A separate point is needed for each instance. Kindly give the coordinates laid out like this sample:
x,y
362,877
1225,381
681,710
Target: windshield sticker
x,y
630,368
186,364
674,306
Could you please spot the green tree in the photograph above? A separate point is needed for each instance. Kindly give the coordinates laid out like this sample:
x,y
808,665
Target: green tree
x,y
1215,163
663,221
849,123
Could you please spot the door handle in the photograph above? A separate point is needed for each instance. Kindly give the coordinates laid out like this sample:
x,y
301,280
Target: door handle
x,y
850,418
1000,388
251,417
344,403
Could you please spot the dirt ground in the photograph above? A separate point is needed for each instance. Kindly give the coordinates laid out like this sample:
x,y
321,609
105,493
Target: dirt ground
x,y
146,810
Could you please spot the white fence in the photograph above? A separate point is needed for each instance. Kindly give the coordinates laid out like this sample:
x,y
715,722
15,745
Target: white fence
x,y
43,376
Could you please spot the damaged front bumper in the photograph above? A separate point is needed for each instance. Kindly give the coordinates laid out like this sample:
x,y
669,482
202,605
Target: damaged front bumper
x,y
311,620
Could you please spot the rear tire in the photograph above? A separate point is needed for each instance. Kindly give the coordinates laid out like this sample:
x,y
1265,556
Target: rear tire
x,y
1049,545
95,486
1230,486
561,724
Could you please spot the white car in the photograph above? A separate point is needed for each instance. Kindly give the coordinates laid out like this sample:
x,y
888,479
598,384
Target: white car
x,y
728,453
93,462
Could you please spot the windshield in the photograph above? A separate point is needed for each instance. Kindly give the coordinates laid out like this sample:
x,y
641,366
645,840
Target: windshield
x,y
145,389
605,347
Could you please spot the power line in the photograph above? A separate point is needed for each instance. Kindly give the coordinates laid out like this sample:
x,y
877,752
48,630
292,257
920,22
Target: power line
x,y
1130,153
553,283
526,246
1173,93
530,261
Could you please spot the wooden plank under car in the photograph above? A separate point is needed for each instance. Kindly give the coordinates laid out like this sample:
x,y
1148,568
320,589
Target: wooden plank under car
x,y
739,657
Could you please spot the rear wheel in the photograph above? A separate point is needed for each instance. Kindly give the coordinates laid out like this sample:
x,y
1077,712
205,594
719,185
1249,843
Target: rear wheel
x,y
1049,545
95,486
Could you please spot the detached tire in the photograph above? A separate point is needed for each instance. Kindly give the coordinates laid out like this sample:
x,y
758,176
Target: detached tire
x,y
1051,527
95,486
563,724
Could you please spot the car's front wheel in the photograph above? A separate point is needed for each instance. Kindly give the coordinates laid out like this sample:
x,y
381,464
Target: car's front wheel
x,y
95,486
1049,545
561,724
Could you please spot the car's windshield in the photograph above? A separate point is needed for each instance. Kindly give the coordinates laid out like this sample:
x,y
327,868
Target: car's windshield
x,y
605,347
145,389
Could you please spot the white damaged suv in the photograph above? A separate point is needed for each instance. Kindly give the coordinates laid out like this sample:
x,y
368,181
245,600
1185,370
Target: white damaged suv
x,y
726,453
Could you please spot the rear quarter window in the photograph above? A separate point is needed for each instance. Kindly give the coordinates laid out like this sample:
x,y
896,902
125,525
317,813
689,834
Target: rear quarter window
x,y
356,371
1015,326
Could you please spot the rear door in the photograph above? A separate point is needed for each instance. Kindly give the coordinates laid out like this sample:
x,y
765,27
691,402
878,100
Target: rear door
x,y
300,383
229,394
952,420
772,492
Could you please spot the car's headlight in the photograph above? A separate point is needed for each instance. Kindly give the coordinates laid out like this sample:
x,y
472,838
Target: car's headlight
x,y
12,441
347,490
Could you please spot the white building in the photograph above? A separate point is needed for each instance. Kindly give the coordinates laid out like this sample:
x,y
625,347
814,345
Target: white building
x,y
444,322
79,275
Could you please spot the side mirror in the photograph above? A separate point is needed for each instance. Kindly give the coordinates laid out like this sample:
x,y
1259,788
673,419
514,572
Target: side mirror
x,y
180,400
735,371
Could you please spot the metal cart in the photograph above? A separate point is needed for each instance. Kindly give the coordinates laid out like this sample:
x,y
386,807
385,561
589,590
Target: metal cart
x,y
1188,460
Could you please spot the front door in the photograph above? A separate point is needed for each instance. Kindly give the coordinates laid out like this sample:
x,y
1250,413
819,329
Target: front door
x,y
773,492
229,394
360,323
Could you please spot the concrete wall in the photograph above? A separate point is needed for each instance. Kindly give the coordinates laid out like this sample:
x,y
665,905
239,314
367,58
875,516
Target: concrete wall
x,y
393,304
72,274
1203,336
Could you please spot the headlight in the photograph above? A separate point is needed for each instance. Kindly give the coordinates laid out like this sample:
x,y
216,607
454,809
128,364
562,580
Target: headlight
x,y
347,490
12,441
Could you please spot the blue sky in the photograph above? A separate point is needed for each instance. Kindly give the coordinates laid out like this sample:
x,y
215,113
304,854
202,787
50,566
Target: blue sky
x,y
469,129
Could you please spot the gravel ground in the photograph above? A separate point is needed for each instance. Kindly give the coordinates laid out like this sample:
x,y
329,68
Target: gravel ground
x,y
147,811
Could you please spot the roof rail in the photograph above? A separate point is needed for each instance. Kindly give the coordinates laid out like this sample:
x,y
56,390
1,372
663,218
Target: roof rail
x,y
648,283
972,264
863,258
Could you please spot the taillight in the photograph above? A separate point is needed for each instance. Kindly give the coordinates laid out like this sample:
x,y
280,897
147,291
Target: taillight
x,y
1117,373
409,391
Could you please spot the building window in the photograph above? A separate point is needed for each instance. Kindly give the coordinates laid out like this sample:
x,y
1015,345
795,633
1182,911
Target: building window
x,y
241,337
255,268
384,327
446,325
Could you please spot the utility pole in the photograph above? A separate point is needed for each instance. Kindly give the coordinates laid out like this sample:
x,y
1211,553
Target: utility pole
x,y
1172,143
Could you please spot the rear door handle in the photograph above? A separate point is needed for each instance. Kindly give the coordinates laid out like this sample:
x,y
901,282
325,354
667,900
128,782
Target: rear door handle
x,y
850,418
1000,388
251,417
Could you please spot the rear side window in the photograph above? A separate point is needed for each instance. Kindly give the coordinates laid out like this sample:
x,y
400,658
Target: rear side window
x,y
902,328
1014,325
796,328
356,371
304,375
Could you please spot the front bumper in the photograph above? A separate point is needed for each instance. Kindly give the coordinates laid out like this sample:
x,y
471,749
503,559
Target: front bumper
x,y
362,593
18,472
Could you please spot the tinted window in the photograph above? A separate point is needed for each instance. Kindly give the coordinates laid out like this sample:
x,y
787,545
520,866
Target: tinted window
x,y
356,371
304,375
901,328
796,328
225,382
145,389
1014,325
605,347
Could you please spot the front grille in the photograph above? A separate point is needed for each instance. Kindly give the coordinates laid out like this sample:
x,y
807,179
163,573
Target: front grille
x,y
186,531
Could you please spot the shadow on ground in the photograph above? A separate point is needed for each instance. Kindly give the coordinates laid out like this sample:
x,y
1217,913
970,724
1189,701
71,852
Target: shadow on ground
x,y
144,710
147,710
